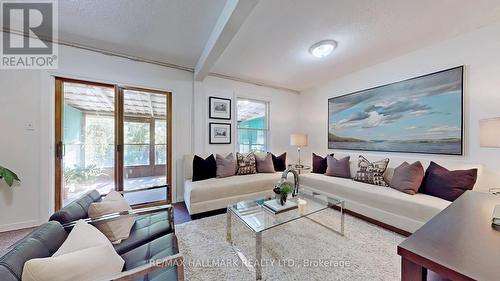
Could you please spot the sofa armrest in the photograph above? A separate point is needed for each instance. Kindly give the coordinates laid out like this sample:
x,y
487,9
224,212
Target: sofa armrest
x,y
132,213
154,265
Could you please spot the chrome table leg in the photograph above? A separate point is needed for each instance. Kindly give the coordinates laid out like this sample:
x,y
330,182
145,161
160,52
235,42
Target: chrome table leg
x,y
228,227
258,256
342,215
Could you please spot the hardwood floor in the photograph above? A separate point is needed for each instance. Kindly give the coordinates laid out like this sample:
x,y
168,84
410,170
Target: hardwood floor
x,y
181,214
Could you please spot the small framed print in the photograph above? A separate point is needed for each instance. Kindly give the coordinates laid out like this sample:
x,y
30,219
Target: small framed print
x,y
219,108
220,133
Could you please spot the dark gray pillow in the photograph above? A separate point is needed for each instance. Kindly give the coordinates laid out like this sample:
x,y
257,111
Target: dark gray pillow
x,y
265,164
226,166
204,168
446,184
408,178
338,167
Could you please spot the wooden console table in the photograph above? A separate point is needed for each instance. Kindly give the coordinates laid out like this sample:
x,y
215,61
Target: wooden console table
x,y
459,243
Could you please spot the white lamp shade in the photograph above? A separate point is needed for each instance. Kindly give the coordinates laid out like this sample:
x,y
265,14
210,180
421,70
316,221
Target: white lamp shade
x,y
298,139
490,132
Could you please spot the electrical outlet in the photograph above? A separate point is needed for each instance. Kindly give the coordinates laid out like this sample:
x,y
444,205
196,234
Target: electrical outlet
x,y
29,126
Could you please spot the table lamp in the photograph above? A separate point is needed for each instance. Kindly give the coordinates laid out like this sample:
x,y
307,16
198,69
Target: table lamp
x,y
489,133
298,140
489,130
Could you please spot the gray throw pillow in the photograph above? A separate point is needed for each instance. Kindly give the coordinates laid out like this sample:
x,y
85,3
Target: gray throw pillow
x,y
408,178
338,167
246,164
265,163
371,172
226,166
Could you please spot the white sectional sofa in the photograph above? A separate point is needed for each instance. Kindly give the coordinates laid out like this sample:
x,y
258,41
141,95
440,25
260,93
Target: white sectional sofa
x,y
218,193
384,204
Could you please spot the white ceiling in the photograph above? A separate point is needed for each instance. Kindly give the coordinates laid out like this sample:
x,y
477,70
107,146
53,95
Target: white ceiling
x,y
169,31
271,46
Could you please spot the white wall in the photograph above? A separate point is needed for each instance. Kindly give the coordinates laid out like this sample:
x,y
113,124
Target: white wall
x,y
20,97
28,96
284,118
477,50
283,114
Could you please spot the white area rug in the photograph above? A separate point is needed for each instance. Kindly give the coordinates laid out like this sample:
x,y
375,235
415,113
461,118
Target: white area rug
x,y
300,250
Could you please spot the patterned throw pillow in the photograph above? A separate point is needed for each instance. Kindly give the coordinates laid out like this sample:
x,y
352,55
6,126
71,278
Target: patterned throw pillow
x,y
246,164
371,172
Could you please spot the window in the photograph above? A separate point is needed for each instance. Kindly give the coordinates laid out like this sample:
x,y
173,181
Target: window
x,y
253,125
136,141
160,142
99,144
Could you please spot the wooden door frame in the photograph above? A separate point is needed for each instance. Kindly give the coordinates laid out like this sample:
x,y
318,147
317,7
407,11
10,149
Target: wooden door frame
x,y
119,121
59,96
168,166
58,145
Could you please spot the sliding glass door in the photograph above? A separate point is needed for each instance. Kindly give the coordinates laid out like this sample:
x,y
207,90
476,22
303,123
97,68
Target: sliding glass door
x,y
108,137
144,146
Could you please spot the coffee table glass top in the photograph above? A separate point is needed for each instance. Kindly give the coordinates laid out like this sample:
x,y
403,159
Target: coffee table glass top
x,y
259,219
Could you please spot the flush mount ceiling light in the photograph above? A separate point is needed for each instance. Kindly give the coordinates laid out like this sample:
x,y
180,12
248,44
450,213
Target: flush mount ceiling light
x,y
323,48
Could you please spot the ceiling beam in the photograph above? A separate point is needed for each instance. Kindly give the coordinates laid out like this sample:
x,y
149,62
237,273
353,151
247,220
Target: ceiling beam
x,y
233,16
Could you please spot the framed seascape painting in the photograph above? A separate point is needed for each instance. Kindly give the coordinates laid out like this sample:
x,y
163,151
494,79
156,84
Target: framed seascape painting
x,y
220,133
219,108
418,115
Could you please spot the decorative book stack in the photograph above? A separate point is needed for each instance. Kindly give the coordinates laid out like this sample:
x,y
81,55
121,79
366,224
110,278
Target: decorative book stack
x,y
276,208
496,216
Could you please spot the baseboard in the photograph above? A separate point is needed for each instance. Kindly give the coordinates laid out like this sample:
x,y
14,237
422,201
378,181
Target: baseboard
x,y
376,222
19,225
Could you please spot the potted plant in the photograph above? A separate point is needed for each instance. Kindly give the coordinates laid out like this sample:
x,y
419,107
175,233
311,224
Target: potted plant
x,y
282,192
8,176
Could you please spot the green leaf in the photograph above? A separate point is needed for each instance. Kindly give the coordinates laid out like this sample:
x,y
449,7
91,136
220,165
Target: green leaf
x,y
8,176
9,179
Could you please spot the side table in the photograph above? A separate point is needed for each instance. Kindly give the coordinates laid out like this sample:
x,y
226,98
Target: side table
x,y
299,167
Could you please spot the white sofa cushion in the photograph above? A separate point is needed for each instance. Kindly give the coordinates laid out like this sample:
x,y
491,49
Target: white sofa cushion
x,y
85,255
82,236
116,230
217,188
418,207
88,264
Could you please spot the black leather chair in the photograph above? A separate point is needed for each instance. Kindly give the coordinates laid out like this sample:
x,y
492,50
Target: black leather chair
x,y
151,223
46,239
42,242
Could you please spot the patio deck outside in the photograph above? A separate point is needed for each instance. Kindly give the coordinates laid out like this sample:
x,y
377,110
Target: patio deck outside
x,y
89,143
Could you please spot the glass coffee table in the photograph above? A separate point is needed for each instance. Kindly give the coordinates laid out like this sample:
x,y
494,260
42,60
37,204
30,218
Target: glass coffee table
x,y
258,219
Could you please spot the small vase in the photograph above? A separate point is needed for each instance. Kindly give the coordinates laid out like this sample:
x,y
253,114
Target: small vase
x,y
283,197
